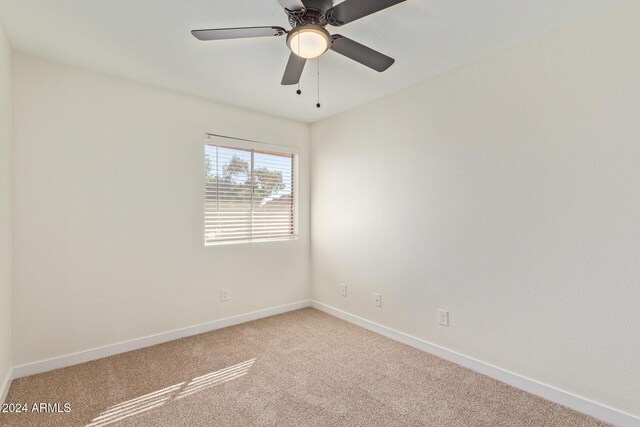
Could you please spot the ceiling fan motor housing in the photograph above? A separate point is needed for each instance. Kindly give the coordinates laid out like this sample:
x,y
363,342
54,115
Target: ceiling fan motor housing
x,y
314,12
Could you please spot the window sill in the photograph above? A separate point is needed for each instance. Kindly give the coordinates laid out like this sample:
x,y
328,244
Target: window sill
x,y
260,240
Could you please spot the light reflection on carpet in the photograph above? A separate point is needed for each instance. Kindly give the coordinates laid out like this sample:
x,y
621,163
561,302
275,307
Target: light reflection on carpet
x,y
150,401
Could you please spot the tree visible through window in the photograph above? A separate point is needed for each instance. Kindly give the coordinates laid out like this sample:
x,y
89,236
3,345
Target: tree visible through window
x,y
249,194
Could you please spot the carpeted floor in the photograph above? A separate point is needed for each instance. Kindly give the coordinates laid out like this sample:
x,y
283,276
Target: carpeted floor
x,y
299,368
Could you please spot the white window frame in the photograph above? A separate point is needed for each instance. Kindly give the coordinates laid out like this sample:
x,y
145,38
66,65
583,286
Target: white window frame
x,y
247,144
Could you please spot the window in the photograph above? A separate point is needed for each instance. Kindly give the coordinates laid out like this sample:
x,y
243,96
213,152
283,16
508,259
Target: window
x,y
250,191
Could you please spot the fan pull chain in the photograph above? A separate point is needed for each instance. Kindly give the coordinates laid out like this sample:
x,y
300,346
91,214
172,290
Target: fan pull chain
x,y
318,104
299,92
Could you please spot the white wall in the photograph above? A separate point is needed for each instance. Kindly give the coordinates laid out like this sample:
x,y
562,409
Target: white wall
x,y
5,208
507,192
108,213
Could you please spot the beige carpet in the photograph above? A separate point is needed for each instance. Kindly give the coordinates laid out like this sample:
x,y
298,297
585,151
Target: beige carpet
x,y
295,369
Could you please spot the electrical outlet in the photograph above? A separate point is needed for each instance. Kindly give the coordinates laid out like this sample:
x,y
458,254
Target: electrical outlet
x,y
443,317
377,300
224,295
343,290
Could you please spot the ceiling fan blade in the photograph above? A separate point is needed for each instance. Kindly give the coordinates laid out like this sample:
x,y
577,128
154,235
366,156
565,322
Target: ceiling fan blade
x,y
351,10
294,70
291,4
238,33
361,53
322,5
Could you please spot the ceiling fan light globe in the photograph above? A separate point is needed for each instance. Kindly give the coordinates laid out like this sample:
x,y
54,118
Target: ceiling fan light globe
x,y
309,41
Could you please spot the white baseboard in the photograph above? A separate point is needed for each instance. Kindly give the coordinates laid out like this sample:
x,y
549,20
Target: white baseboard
x,y
123,347
4,386
579,403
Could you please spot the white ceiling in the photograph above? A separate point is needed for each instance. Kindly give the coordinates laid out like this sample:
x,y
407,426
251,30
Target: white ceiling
x,y
148,41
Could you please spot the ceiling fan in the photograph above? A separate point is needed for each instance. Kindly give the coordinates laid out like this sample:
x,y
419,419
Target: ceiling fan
x,y
308,37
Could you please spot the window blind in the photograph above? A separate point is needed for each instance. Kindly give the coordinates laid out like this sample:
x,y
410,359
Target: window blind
x,y
249,194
